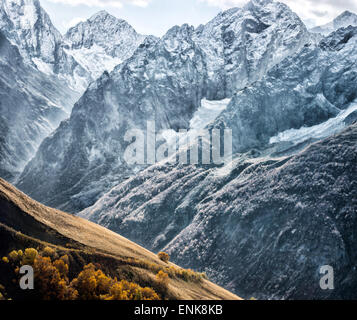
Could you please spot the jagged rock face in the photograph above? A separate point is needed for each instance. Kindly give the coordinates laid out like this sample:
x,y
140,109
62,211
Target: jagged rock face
x,y
38,100
31,106
31,28
102,42
80,57
165,80
305,89
28,26
262,228
344,20
242,44
162,82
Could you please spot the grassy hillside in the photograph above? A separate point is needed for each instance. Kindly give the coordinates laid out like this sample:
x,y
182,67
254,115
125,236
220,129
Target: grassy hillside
x,y
25,223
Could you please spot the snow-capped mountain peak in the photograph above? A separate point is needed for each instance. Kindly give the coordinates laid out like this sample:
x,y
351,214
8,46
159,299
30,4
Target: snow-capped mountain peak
x,y
106,17
102,42
246,42
259,3
29,26
81,56
345,19
102,29
165,80
100,15
256,71
345,14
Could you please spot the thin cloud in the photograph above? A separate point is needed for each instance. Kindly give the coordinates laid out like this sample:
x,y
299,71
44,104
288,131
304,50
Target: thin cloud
x,y
225,4
103,3
73,22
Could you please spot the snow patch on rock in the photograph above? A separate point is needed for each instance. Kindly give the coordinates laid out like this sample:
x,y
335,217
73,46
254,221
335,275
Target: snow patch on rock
x,y
324,130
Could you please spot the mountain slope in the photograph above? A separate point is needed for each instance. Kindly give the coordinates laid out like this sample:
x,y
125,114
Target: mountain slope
x,y
31,106
30,27
36,223
133,94
262,228
164,81
344,20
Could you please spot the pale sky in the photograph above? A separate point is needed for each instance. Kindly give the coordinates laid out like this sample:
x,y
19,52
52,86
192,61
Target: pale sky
x,y
157,16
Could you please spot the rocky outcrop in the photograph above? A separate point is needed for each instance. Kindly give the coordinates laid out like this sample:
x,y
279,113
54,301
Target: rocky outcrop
x,y
242,44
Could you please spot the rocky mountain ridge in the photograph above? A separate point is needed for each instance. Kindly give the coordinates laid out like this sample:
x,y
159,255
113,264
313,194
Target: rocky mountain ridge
x,y
344,20
102,42
28,26
165,81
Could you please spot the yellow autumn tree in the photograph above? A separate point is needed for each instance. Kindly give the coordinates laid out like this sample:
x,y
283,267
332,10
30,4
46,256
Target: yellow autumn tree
x,y
50,284
52,279
125,290
91,283
163,256
29,256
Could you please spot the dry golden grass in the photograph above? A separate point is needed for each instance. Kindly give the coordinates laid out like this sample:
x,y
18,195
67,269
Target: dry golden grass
x,y
97,239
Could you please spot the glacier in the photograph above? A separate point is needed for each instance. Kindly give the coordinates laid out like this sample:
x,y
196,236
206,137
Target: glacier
x,y
206,113
305,89
320,131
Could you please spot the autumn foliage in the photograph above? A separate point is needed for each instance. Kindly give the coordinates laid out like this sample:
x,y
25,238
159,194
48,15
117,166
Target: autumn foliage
x,y
55,279
125,290
162,279
163,256
93,284
52,281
